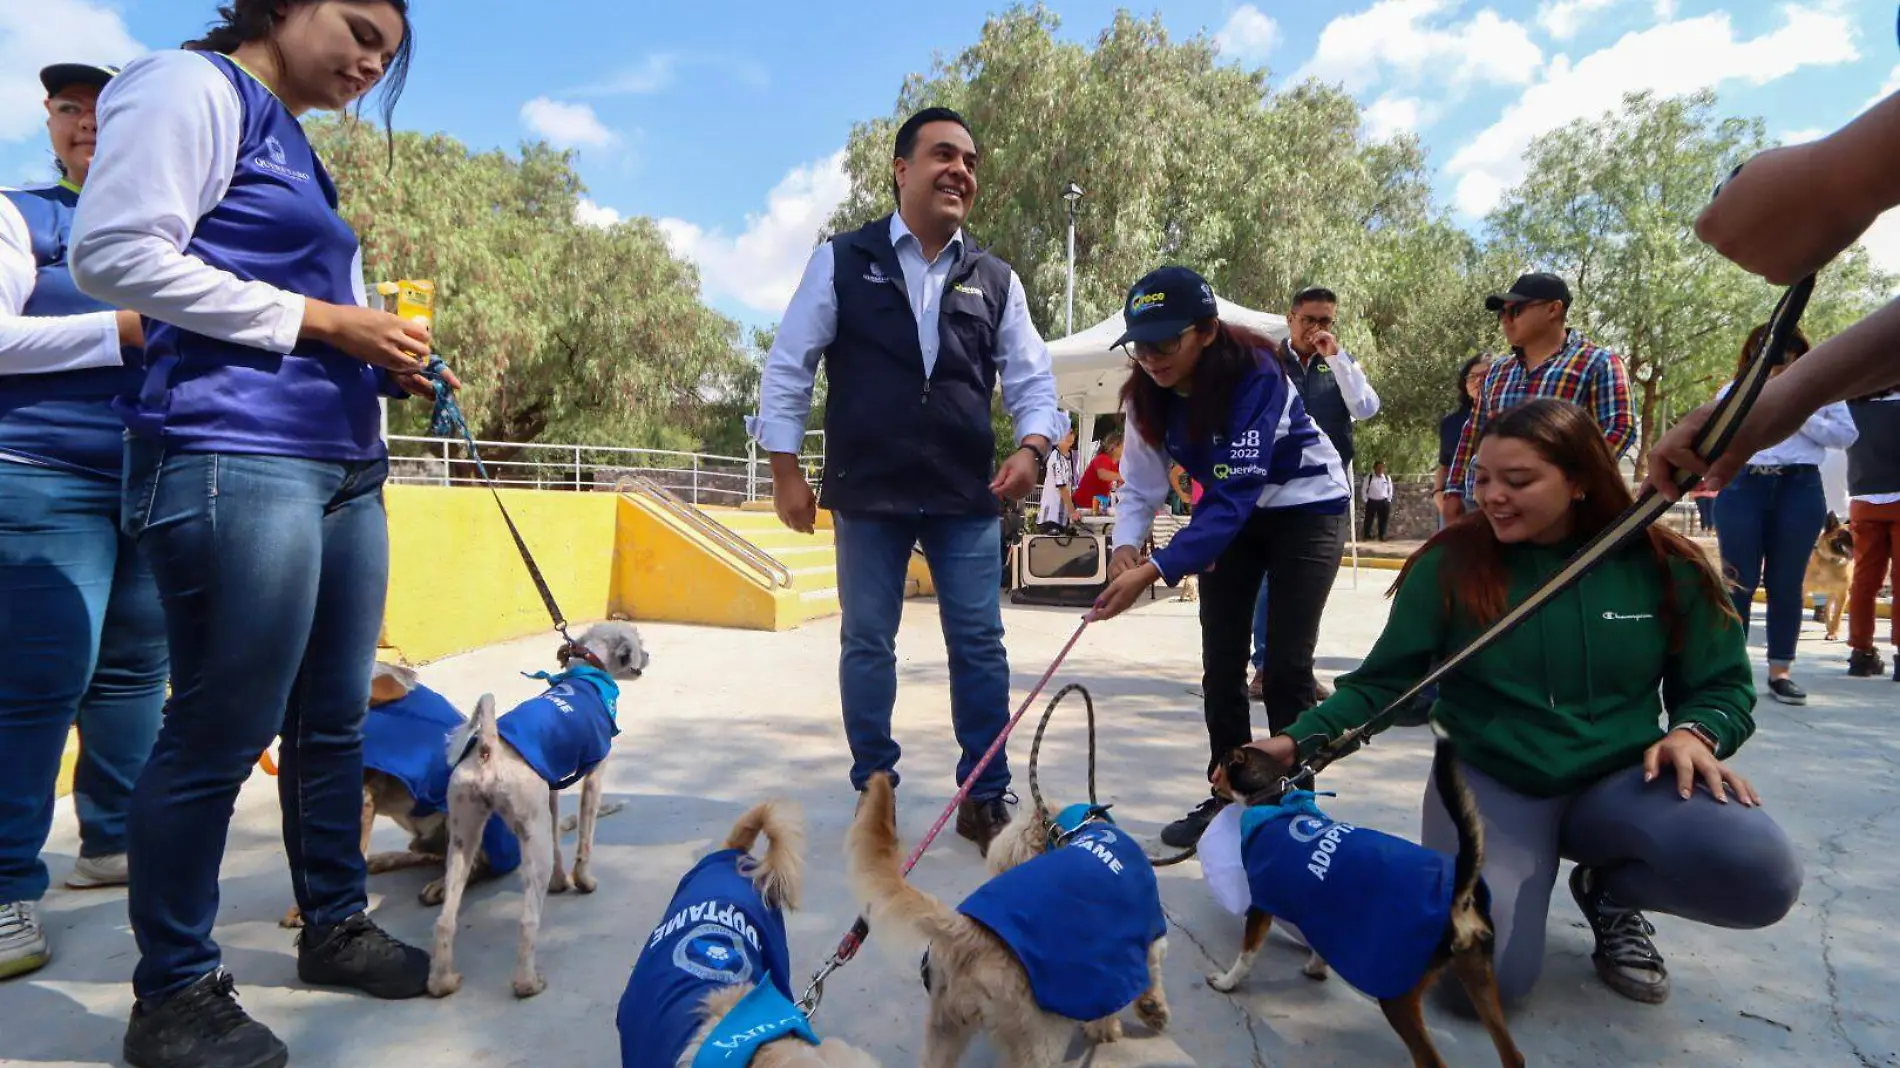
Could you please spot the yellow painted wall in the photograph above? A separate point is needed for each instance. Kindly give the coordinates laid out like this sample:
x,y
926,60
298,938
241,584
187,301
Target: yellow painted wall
x,y
666,570
456,581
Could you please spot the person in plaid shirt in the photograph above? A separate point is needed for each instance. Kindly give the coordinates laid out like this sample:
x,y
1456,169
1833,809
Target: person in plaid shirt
x,y
1548,359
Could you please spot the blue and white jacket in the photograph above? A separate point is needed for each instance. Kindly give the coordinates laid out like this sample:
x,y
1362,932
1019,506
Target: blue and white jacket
x,y
718,932
1271,457
208,212
1373,905
1097,890
407,739
60,358
569,728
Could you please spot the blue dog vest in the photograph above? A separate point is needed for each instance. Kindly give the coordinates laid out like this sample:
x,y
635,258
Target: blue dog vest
x,y
1080,919
718,932
407,739
567,730
1374,906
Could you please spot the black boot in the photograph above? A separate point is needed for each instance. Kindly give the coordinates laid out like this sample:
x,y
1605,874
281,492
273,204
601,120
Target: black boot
x,y
1865,664
356,953
201,1026
1187,830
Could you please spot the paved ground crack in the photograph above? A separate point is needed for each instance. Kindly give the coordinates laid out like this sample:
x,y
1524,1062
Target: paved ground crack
x,y
1832,850
1246,1018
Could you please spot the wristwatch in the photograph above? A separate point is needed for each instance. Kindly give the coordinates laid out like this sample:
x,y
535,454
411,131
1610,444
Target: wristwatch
x,y
1042,458
1704,734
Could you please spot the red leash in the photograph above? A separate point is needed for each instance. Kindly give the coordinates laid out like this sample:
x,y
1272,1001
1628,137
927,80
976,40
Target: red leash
x,y
854,938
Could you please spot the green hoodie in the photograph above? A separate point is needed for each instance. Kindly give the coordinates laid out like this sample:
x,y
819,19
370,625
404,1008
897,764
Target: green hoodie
x,y
1576,691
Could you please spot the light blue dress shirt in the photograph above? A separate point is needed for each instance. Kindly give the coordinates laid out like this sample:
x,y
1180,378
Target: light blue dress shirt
x,y
811,323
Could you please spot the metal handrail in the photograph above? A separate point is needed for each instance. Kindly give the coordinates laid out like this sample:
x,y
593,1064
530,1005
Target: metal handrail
x,y
778,573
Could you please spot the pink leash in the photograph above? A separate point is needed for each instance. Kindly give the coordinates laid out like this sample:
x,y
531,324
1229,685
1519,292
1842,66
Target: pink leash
x,y
854,938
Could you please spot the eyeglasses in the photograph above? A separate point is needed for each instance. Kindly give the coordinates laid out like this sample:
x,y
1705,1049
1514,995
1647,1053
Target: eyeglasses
x,y
1325,323
1157,350
1512,311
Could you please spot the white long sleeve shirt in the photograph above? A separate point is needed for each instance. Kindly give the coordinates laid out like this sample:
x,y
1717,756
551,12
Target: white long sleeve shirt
x,y
44,344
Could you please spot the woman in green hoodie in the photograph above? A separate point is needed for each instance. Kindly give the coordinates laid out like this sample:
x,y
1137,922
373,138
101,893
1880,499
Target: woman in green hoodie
x,y
1560,724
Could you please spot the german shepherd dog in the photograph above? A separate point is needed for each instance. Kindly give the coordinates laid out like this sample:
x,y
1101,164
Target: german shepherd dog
x,y
1831,573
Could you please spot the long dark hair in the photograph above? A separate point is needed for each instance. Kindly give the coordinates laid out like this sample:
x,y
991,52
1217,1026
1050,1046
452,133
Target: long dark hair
x,y
1226,360
1474,579
256,20
1464,372
1797,347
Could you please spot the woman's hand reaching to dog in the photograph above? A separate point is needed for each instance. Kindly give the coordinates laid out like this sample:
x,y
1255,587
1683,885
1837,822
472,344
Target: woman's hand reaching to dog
x,y
1692,758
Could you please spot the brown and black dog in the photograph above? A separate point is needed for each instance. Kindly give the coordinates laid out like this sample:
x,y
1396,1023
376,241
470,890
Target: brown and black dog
x,y
1400,950
1831,573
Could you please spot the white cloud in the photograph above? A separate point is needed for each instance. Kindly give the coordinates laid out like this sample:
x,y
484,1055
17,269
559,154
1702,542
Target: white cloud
x,y
51,31
1883,241
1887,89
1670,59
652,74
760,267
1248,36
588,213
565,125
1389,116
1665,10
1564,18
1395,40
1811,133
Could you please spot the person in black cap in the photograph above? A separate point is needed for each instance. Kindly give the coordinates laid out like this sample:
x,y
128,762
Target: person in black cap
x,y
1548,359
917,327
1213,398
82,636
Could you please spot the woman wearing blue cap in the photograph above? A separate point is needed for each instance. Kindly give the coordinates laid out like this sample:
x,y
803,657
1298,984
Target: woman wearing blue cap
x,y
1213,398
82,639
254,473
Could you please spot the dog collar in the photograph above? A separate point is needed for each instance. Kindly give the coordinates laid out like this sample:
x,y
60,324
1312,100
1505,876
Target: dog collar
x,y
1072,819
764,1015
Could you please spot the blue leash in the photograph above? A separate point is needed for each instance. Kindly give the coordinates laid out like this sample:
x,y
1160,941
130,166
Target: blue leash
x,y
446,420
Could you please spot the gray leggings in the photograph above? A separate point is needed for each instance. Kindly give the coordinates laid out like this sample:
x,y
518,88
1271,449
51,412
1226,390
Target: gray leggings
x,y
1723,865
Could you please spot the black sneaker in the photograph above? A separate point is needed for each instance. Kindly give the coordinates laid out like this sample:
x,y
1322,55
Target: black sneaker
x,y
356,953
201,1026
979,821
1187,830
1625,958
1865,664
1785,691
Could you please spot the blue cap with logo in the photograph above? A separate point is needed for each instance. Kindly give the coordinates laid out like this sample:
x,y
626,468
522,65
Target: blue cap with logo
x,y
1164,304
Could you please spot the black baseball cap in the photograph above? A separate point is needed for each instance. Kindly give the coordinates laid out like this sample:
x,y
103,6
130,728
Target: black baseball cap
x,y
60,75
1164,304
1530,287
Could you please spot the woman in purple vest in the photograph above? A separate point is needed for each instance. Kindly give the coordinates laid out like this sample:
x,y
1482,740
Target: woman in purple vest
x,y
82,640
253,487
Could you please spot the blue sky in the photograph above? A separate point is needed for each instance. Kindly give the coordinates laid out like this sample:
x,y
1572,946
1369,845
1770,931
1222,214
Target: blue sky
x,y
723,119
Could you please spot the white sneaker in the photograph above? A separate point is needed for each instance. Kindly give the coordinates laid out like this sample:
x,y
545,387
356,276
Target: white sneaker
x,y
92,872
22,939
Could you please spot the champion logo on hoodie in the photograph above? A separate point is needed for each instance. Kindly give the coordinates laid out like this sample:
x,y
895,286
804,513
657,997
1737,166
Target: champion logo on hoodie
x,y
1617,616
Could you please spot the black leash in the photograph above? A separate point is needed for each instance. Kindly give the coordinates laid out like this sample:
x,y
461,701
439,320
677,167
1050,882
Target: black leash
x,y
447,419
1043,811
1710,444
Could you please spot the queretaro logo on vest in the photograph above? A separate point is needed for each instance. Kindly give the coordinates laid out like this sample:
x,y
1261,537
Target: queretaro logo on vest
x,y
276,164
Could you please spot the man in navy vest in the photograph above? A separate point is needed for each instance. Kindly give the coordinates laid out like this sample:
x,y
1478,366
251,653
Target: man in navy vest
x,y
916,325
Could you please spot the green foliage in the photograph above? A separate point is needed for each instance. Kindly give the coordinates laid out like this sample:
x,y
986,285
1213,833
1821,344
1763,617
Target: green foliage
x,y
559,331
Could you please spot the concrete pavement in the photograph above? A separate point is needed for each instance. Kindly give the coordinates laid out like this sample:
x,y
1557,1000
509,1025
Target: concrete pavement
x,y
726,717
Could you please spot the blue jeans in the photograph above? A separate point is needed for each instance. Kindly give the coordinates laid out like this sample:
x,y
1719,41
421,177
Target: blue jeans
x,y
83,642
966,565
1766,526
272,571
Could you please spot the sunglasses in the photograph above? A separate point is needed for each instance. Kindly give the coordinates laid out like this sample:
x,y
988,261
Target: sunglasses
x,y
1512,311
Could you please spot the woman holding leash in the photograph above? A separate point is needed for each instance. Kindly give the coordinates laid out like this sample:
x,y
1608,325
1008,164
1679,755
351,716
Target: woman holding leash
x,y
82,638
1768,517
253,487
1214,398
1557,723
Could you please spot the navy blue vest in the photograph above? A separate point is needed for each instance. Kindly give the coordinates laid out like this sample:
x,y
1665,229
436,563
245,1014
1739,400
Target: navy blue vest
x,y
277,223
63,419
1873,461
897,443
1319,391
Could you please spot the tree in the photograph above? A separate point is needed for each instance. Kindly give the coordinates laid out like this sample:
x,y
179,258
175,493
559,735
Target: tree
x,y
1189,161
1611,203
558,330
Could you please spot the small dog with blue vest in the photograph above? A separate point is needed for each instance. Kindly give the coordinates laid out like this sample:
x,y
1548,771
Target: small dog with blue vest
x,y
515,767
1068,930
712,987
1388,914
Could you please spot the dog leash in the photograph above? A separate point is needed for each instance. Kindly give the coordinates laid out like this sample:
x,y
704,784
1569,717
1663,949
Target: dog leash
x,y
1724,422
446,419
1035,755
860,930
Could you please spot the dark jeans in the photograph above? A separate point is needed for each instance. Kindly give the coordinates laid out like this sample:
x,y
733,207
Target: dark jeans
x,y
272,571
1723,865
1379,513
1766,526
82,640
1297,554
873,559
